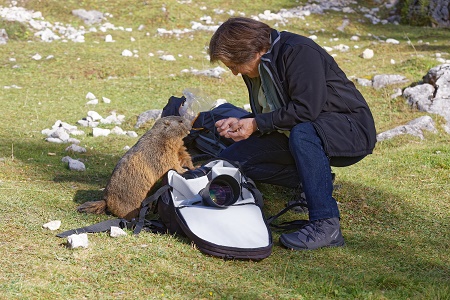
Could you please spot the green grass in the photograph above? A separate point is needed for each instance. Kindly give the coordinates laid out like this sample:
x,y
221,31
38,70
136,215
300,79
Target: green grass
x,y
395,203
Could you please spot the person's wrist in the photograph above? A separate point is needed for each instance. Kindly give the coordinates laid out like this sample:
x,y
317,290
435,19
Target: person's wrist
x,y
255,126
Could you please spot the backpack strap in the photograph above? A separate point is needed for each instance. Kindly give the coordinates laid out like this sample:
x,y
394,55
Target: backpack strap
x,y
152,225
135,225
98,227
250,185
295,224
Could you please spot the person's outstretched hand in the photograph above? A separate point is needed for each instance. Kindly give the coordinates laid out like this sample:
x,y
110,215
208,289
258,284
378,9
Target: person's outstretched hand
x,y
236,129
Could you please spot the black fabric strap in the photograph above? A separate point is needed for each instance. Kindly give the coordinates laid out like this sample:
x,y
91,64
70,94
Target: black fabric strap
x,y
296,224
146,205
99,227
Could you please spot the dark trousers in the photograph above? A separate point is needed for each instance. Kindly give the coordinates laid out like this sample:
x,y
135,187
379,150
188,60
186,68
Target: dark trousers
x,y
276,159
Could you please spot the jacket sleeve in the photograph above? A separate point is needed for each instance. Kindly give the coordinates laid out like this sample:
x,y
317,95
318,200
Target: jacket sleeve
x,y
304,76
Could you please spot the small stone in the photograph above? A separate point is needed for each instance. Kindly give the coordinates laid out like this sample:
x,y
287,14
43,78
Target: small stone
x,y
168,57
127,53
92,102
52,225
109,39
90,96
116,232
117,130
37,56
74,165
392,41
76,148
367,54
94,115
77,240
96,132
132,134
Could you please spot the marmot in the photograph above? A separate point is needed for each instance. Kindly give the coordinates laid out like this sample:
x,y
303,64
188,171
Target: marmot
x,y
156,152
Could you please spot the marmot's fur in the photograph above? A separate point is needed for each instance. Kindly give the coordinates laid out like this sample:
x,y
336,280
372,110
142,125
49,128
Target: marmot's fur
x,y
156,152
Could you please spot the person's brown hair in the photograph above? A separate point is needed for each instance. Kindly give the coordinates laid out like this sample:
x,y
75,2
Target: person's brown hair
x,y
238,40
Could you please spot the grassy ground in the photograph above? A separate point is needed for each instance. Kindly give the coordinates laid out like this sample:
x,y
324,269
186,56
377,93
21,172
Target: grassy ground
x,y
395,204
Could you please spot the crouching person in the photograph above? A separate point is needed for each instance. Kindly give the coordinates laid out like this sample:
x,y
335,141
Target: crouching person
x,y
306,117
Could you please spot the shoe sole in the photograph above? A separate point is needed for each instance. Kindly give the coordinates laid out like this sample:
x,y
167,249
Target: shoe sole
x,y
292,247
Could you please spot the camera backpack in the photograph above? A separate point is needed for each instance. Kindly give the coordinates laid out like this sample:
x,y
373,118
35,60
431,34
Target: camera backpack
x,y
216,206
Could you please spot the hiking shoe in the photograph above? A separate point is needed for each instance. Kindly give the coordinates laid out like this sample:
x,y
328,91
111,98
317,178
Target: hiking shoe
x,y
314,235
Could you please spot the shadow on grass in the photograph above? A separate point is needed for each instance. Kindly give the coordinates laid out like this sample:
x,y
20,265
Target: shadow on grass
x,y
393,245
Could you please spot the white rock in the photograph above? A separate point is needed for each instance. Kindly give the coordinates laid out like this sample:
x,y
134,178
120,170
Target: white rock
x,y
117,130
77,240
77,132
116,232
76,148
367,54
132,134
37,56
61,134
167,57
96,132
392,41
90,96
73,141
92,102
54,140
94,115
219,102
127,53
84,123
106,100
109,39
341,47
52,225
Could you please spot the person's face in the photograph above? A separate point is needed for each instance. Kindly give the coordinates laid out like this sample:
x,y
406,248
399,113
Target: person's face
x,y
250,68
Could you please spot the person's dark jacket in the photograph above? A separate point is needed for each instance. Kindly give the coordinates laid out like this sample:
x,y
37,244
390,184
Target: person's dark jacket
x,y
312,88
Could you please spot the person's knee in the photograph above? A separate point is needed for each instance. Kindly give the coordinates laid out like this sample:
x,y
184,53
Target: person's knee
x,y
303,135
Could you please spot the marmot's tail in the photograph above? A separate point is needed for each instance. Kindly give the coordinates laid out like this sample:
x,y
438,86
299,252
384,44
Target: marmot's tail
x,y
95,207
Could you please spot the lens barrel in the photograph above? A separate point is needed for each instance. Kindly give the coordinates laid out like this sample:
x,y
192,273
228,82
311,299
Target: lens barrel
x,y
222,191
199,172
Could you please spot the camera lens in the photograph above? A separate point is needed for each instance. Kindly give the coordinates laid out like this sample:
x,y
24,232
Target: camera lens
x,y
199,172
222,191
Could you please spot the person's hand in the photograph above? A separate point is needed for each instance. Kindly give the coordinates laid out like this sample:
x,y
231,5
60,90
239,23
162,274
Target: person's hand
x,y
236,129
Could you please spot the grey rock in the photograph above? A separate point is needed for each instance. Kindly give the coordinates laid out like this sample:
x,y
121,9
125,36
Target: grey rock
x,y
152,114
89,17
433,95
74,165
415,128
380,81
364,82
76,148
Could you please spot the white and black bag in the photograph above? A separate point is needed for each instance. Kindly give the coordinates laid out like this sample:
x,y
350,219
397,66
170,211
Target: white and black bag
x,y
216,206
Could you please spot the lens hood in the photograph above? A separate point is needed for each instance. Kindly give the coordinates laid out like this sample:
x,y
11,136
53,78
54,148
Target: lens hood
x,y
222,191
